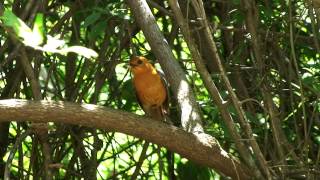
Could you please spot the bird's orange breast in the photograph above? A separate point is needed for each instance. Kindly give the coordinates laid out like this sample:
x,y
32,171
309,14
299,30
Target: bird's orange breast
x,y
150,89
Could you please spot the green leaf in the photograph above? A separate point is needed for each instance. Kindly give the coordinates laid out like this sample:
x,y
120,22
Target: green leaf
x,y
53,43
38,29
97,29
91,19
23,32
317,139
34,38
190,170
29,37
86,52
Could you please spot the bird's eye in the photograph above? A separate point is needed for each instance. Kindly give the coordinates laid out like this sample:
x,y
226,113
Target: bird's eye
x,y
139,62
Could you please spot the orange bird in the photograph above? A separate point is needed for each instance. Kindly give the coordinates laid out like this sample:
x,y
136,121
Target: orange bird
x,y
151,88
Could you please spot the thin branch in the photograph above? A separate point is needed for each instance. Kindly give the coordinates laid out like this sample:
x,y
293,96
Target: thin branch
x,y
142,157
212,88
13,152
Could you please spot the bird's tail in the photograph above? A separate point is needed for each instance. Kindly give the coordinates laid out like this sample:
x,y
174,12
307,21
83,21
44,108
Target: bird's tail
x,y
161,114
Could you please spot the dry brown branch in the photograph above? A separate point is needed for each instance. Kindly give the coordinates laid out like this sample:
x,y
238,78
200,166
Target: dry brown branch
x,y
202,149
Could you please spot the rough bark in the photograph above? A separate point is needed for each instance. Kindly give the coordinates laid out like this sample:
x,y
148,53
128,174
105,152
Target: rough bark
x,y
202,149
190,112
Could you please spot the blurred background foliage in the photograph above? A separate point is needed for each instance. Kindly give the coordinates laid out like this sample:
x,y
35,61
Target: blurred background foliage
x,y
289,41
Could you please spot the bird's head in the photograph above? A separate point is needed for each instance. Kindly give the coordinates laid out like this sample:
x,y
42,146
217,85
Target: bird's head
x,y
140,65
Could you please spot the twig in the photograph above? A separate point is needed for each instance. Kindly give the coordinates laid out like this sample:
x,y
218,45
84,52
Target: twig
x,y
13,151
295,64
140,161
160,8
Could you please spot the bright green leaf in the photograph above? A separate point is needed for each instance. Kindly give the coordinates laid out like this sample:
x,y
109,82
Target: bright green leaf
x,y
38,29
10,20
27,36
35,37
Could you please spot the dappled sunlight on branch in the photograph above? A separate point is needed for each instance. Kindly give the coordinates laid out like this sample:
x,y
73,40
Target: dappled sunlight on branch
x,y
89,107
12,103
200,148
187,113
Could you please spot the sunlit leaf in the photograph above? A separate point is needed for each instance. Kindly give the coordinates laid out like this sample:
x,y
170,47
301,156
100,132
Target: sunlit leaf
x,y
86,52
38,29
53,43
23,32
34,38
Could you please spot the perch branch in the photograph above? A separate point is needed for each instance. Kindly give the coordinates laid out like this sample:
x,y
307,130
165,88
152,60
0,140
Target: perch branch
x,y
202,149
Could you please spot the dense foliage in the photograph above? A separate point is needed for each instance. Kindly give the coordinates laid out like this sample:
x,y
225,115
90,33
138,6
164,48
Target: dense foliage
x,y
269,51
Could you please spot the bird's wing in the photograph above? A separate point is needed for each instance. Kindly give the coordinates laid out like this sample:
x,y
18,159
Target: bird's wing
x,y
165,107
166,84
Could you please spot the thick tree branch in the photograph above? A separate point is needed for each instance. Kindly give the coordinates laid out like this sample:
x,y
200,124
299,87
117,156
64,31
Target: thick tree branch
x,y
190,112
203,149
